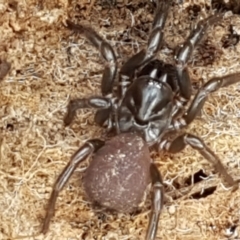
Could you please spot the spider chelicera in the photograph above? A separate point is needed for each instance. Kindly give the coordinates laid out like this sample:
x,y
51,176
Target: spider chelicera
x,y
147,101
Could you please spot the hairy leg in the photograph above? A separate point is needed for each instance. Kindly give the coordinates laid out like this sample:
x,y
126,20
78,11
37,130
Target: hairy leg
x,y
157,202
105,49
92,102
200,98
153,45
85,151
185,53
179,143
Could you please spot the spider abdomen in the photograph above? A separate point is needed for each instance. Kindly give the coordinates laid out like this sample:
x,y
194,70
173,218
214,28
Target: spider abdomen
x,y
119,174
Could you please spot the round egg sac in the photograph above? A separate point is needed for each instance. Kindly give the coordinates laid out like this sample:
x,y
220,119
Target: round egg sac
x,y
119,174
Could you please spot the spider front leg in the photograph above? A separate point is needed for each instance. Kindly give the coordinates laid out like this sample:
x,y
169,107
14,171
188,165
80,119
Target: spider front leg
x,y
102,103
200,98
185,53
179,143
107,52
85,151
153,45
157,202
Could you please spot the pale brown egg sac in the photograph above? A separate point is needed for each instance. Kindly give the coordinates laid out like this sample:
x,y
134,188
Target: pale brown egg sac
x,y
118,174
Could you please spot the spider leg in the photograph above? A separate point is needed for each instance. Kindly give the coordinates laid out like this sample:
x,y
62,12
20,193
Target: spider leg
x,y
157,202
200,98
106,51
153,45
92,102
197,143
185,53
85,151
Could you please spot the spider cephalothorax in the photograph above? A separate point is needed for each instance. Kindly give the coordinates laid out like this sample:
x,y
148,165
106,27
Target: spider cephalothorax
x,y
142,107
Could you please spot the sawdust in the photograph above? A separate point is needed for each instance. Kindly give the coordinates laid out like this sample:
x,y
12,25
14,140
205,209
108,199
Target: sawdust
x,y
49,66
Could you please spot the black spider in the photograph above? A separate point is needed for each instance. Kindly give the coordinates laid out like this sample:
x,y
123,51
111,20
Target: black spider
x,y
147,101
